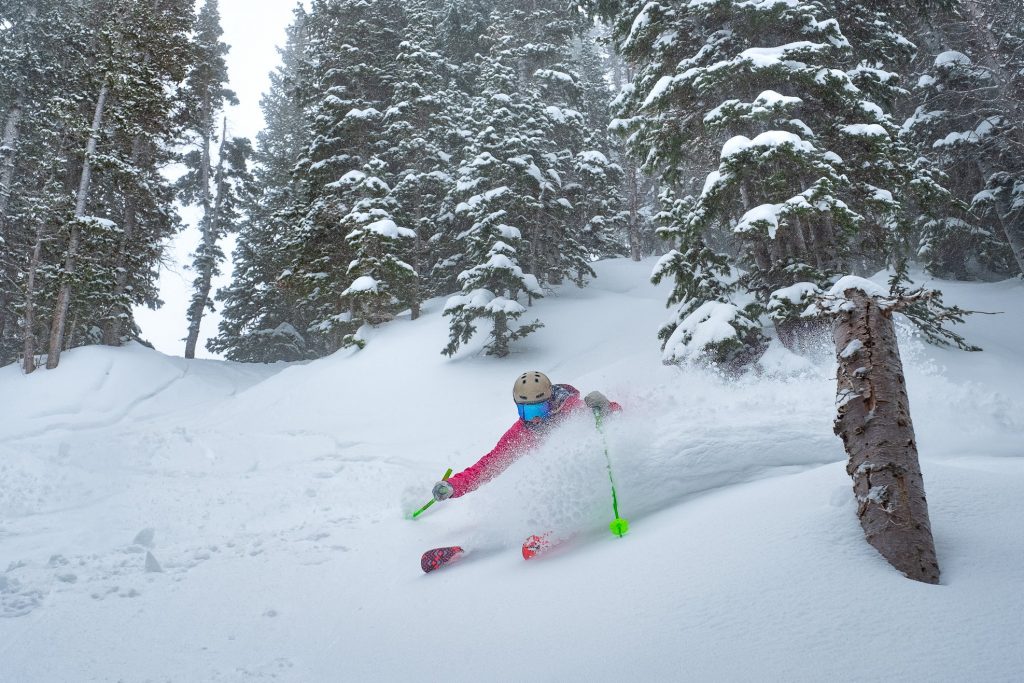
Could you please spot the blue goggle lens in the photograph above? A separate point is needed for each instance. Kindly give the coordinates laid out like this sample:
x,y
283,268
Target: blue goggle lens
x,y
529,411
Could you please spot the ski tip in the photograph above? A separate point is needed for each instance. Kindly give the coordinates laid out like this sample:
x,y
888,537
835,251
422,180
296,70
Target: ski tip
x,y
435,558
535,545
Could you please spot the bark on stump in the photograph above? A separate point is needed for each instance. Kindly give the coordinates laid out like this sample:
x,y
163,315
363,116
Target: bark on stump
x,y
874,423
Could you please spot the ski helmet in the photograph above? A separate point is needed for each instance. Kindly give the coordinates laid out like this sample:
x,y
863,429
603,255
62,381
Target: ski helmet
x,y
531,387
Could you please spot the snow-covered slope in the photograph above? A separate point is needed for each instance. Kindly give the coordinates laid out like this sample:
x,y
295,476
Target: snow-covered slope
x,y
272,499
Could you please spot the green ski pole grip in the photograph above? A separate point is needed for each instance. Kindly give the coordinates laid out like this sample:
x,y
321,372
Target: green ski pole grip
x,y
432,501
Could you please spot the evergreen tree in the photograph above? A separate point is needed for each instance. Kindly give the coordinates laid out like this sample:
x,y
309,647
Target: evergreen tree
x,y
84,203
138,192
422,125
780,157
205,93
261,319
600,207
350,45
971,121
380,281
42,54
501,189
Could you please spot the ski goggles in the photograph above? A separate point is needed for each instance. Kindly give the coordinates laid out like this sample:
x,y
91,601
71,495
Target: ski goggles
x,y
530,411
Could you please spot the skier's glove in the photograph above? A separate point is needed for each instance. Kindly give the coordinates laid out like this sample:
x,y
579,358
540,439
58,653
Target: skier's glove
x,y
597,401
442,491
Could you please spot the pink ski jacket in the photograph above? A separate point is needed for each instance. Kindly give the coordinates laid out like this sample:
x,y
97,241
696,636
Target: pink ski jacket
x,y
518,440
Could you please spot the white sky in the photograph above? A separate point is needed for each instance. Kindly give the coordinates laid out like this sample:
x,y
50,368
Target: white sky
x,y
253,29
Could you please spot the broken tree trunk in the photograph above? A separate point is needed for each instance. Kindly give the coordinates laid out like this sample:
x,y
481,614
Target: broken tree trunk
x,y
874,423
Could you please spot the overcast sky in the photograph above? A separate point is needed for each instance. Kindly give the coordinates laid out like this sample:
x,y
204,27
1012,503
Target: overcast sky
x,y
254,29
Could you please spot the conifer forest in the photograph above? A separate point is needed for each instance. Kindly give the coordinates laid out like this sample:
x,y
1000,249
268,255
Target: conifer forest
x,y
484,152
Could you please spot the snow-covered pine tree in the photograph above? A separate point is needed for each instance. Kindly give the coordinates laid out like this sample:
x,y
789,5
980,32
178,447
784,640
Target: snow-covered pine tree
x,y
638,189
104,68
422,125
461,33
143,128
206,93
780,157
351,46
599,204
230,192
538,38
43,53
261,318
98,205
380,281
971,120
498,184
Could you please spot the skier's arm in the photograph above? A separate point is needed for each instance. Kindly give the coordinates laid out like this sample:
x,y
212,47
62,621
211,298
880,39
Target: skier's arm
x,y
509,447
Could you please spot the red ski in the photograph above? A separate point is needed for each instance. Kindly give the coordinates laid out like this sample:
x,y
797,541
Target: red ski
x,y
435,558
538,544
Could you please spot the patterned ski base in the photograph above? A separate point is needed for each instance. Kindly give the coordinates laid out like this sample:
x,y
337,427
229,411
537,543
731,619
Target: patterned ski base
x,y
435,558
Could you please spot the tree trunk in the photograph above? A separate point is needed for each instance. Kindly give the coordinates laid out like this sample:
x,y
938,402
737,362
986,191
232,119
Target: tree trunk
x,y
60,311
211,217
7,161
633,199
414,304
796,235
500,347
29,351
7,164
874,423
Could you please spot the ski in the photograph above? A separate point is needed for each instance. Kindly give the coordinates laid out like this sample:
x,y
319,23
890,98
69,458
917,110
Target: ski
x,y
435,558
538,544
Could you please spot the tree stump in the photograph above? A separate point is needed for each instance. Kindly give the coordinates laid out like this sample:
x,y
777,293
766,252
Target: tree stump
x,y
874,423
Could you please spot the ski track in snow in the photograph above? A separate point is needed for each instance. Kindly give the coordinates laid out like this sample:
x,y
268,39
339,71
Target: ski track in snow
x,y
275,492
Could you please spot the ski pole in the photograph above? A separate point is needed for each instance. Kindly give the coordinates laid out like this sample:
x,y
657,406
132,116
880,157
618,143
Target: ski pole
x,y
618,526
432,501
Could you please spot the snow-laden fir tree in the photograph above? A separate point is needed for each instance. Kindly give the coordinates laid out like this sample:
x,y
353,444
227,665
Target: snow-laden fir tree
x,y
42,54
423,128
261,319
94,88
500,188
380,281
971,120
351,47
783,167
538,39
206,94
138,192
598,203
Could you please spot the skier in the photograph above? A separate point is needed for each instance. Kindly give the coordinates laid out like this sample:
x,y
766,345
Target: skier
x,y
541,406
